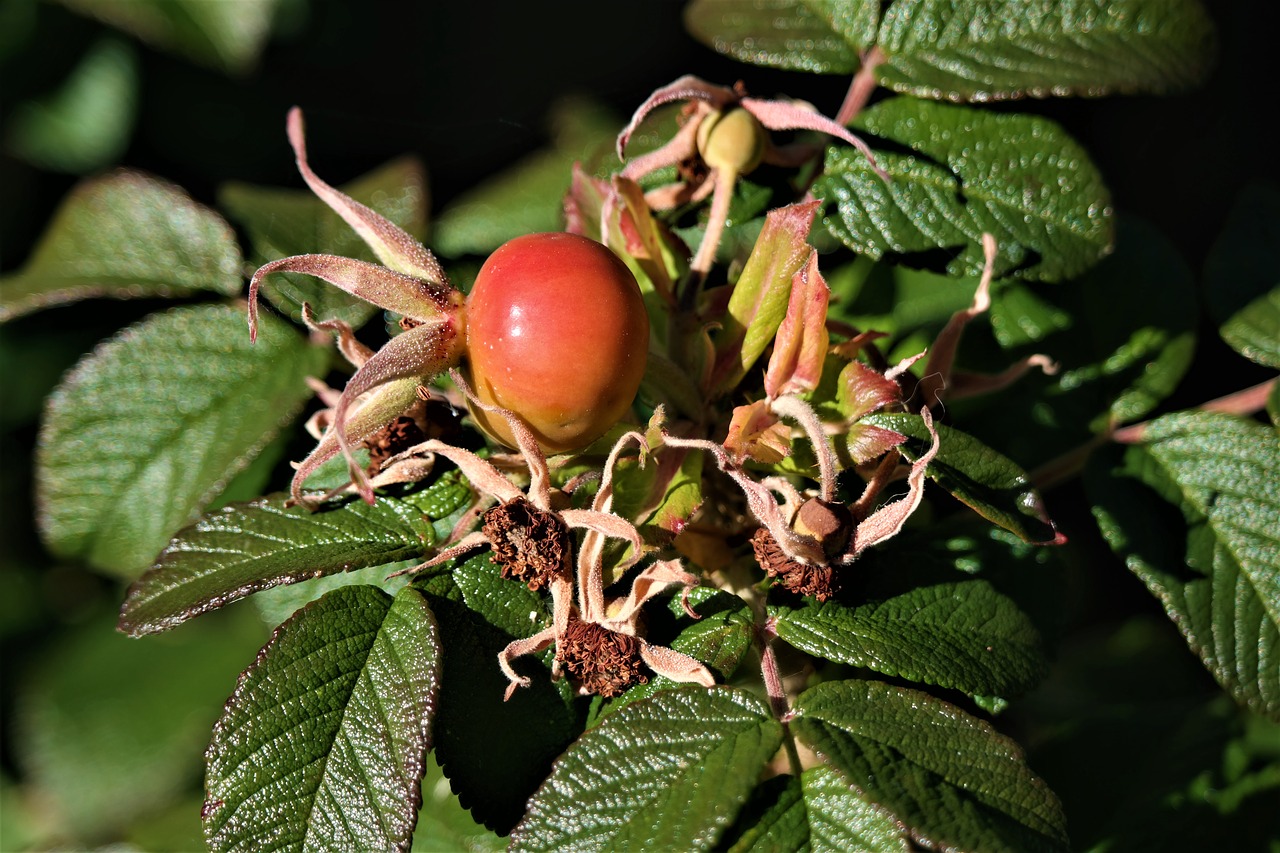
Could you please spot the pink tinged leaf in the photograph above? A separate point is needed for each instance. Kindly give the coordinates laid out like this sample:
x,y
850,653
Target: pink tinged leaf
x,y
866,442
802,413
370,282
800,347
393,245
783,115
687,88
641,237
420,353
584,204
520,648
862,390
942,355
756,433
370,415
887,521
676,666
760,297
351,348
482,475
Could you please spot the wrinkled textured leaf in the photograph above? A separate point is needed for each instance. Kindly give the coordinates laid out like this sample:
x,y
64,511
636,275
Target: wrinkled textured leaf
x,y
85,125
1018,177
244,548
226,36
1221,583
1254,331
527,198
476,731
972,49
961,634
976,475
108,730
638,780
149,427
820,812
126,235
949,778
323,743
280,223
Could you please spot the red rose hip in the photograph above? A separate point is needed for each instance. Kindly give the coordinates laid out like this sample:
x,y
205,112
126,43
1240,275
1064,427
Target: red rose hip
x,y
557,333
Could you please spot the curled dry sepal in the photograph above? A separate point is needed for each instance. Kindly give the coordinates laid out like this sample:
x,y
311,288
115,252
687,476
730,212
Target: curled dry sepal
x,y
411,284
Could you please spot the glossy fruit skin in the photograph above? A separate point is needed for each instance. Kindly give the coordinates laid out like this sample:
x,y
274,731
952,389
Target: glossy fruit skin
x,y
557,333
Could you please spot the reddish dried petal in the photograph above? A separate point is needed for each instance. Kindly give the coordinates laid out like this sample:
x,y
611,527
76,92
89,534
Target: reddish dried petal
x,y
800,347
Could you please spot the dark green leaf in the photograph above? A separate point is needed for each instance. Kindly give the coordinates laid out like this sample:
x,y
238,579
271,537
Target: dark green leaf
x,y
961,634
1221,583
85,125
244,548
126,235
444,826
820,812
226,36
638,781
323,743
280,223
1254,331
107,730
949,779
495,753
150,427
975,50
976,475
528,197
1019,177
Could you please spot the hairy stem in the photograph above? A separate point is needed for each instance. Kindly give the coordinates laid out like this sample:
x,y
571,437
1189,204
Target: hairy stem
x,y
861,87
776,692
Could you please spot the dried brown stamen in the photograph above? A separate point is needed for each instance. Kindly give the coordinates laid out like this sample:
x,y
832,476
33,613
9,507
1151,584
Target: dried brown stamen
x,y
532,545
598,660
396,437
818,580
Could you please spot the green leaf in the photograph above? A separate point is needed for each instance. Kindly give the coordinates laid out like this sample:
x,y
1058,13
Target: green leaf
x,y
126,235
323,743
977,476
1221,583
948,778
820,812
444,826
976,50
638,781
241,549
149,427
962,634
108,730
226,36
528,197
1254,331
281,223
494,752
1018,177
86,124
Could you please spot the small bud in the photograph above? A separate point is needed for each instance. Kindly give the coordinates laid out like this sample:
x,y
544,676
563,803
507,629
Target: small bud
x,y
734,141
829,522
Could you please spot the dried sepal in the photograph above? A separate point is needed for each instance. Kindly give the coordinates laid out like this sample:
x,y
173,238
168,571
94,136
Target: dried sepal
x,y
800,346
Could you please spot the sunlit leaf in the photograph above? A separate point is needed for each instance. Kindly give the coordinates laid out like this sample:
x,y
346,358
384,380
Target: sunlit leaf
x,y
1254,331
638,780
1018,177
126,235
150,427
949,779
324,742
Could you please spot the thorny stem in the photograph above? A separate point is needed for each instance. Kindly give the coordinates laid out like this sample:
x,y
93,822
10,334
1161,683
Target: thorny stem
x,y
777,694
861,87
1071,463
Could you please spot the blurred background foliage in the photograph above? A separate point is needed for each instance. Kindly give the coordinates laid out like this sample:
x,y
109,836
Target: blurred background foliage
x,y
102,736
